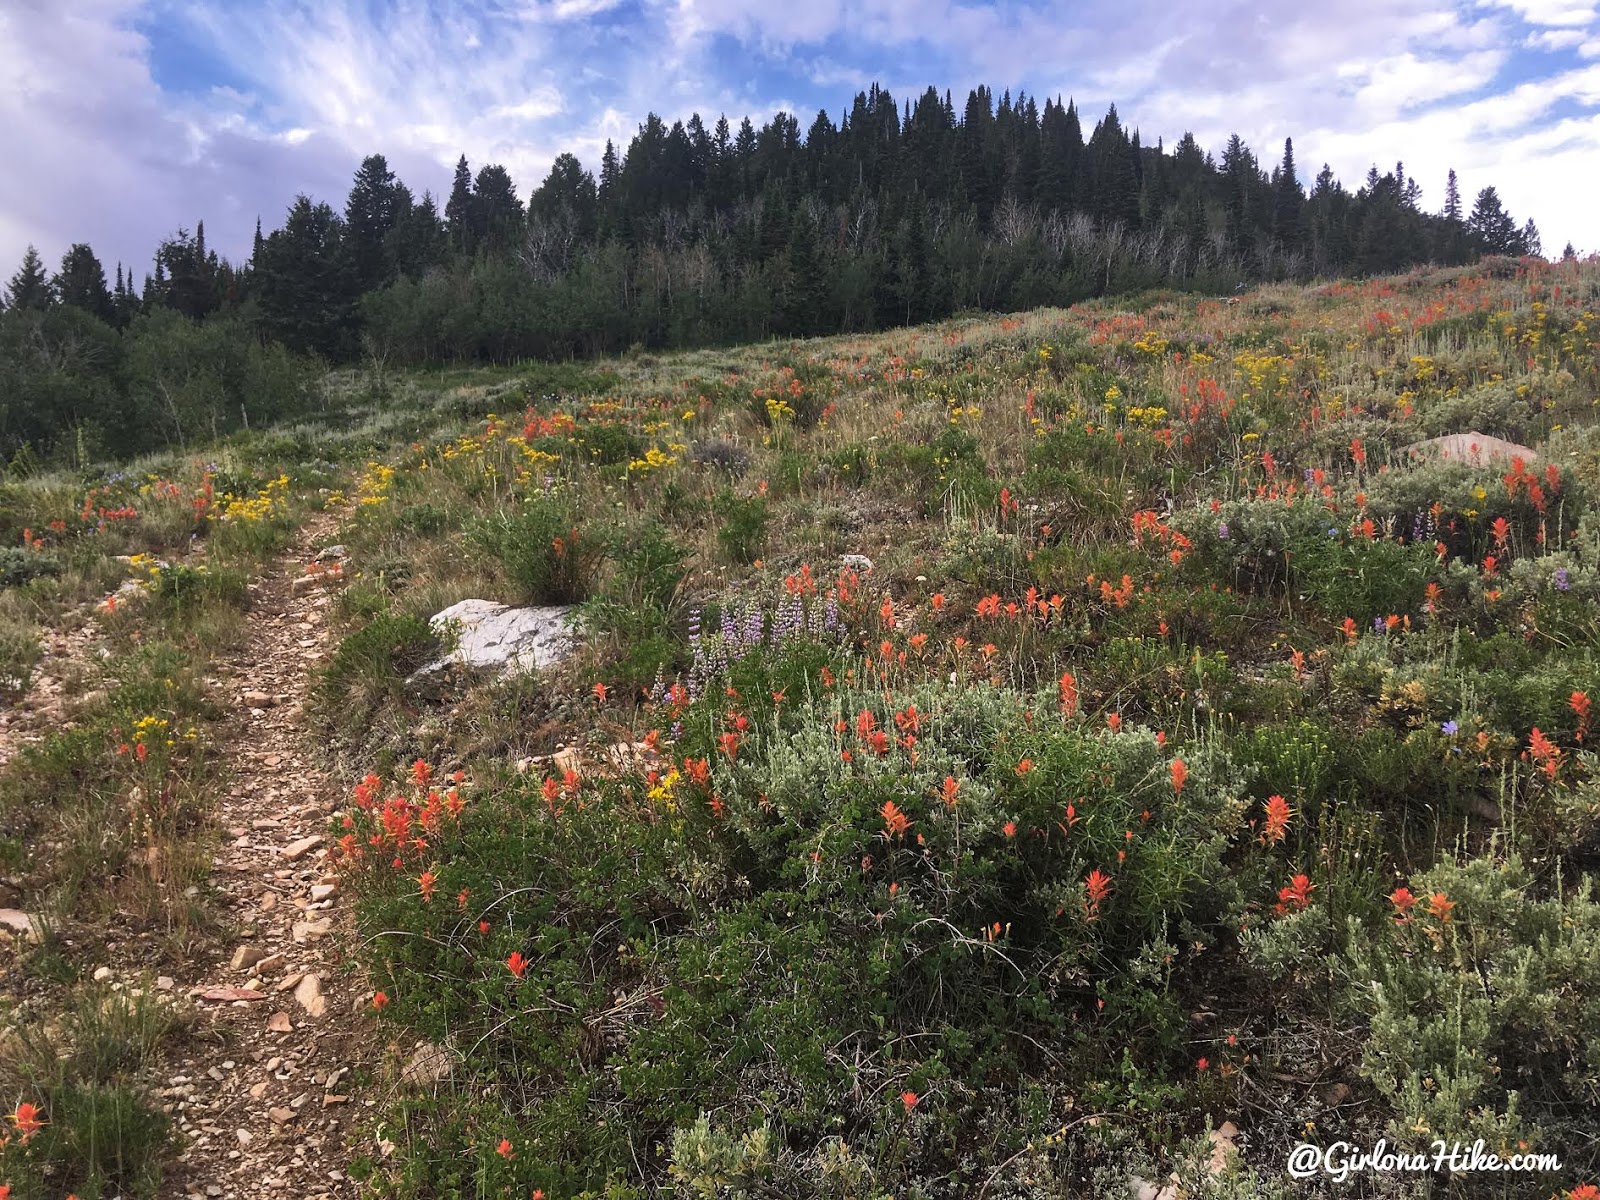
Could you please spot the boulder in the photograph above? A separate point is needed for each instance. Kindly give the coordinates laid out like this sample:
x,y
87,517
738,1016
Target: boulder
x,y
504,638
1474,449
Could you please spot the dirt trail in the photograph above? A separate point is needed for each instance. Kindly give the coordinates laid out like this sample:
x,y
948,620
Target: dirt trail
x,y
265,1097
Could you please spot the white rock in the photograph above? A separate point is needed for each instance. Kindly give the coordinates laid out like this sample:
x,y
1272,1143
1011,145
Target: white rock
x,y
501,637
30,927
1474,449
430,1064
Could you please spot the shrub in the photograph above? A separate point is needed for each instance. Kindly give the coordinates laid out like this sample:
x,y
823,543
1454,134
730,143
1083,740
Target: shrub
x,y
546,547
742,527
1482,1001
19,566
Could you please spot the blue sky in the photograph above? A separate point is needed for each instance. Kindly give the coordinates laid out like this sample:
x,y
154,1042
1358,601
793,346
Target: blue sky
x,y
121,120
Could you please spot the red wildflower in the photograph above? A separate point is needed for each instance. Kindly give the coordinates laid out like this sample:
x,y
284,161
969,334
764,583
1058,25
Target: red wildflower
x,y
27,1121
1441,906
1544,752
1180,773
1009,829
380,1001
1098,886
504,1149
516,964
600,692
1023,767
1580,705
909,1099
949,790
427,882
1069,694
1296,895
1403,902
895,822
1277,823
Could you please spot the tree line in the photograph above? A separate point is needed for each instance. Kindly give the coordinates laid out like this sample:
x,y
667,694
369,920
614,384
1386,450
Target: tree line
x,y
900,213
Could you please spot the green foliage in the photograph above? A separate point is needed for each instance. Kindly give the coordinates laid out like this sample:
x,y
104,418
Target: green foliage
x,y
1479,1017
741,525
369,669
18,566
546,547
102,1134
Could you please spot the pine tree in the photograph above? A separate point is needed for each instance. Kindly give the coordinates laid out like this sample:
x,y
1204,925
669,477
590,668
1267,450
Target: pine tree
x,y
81,283
497,213
1239,180
1452,197
376,204
304,288
1568,254
30,286
458,214
1529,241
1492,229
806,287
1287,202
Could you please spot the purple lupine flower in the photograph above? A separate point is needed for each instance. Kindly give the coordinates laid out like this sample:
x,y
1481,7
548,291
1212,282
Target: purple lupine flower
x,y
1449,727
1563,583
1378,625
1222,531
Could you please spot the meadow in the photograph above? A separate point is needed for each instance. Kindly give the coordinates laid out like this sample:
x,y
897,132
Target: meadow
x,y
999,753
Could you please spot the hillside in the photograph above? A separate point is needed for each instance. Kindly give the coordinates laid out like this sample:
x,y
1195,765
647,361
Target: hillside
x,y
1083,752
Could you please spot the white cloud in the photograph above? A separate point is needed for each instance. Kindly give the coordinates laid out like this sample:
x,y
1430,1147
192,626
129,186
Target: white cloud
x,y
1555,39
1550,12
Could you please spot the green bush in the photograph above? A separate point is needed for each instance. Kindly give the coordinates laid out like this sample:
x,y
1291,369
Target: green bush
x,y
776,946
546,547
742,525
1482,1014
19,566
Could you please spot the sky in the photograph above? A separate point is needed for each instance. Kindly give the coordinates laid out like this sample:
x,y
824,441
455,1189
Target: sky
x,y
123,120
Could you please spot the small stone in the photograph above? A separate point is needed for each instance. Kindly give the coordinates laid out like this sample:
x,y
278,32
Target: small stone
x,y
280,1116
309,995
279,1023
166,982
101,974
269,901
246,957
289,981
296,850
310,931
330,1099
323,891
245,1136
258,1090
268,965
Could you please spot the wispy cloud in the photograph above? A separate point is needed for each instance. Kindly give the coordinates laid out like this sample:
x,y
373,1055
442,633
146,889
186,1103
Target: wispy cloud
x,y
125,118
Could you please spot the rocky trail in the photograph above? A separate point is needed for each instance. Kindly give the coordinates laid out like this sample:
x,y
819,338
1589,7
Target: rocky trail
x,y
265,1097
